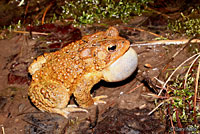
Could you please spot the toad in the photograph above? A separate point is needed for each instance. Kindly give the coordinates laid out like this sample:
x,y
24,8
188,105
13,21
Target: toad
x,y
76,68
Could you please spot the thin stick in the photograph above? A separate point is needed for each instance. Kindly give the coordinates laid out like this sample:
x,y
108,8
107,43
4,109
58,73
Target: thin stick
x,y
171,121
186,75
135,88
178,121
183,47
21,3
160,105
3,130
154,96
160,13
36,125
165,42
175,71
161,82
25,32
195,94
142,30
45,12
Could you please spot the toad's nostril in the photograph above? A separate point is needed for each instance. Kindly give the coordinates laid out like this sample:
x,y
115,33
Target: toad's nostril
x,y
112,48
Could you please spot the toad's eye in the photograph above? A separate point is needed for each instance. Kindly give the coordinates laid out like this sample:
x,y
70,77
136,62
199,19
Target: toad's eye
x,y
112,48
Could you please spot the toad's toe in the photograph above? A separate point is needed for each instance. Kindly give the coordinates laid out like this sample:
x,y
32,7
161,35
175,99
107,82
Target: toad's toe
x,y
97,99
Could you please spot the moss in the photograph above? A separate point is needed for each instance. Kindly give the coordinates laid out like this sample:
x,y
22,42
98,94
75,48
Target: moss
x,y
190,24
90,11
183,100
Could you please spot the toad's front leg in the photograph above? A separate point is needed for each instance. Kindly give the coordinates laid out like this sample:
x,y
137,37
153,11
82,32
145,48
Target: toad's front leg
x,y
82,90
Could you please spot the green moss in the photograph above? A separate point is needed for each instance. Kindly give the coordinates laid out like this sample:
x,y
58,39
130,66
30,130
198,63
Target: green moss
x,y
90,11
190,24
183,100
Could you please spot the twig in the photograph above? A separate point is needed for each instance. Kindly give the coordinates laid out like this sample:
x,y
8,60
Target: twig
x,y
171,121
21,3
154,96
178,121
25,12
161,82
183,47
93,124
25,32
195,94
135,88
160,105
139,29
45,12
186,75
165,42
26,9
172,58
36,125
160,13
3,130
175,71
142,30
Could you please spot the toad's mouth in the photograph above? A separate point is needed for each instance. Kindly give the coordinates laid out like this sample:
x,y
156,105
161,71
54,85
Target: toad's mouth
x,y
122,68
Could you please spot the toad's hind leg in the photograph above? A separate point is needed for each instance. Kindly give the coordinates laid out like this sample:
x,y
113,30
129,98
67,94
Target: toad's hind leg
x,y
52,97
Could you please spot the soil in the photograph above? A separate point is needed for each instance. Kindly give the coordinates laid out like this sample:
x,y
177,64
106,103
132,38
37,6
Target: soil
x,y
127,106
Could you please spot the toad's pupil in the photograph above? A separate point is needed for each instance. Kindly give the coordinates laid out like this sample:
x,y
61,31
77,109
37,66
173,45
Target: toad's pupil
x,y
112,48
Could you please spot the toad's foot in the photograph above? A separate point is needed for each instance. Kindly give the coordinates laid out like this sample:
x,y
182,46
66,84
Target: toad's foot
x,y
66,111
97,99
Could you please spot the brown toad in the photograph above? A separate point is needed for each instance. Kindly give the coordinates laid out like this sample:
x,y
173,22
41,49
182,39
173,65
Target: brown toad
x,y
76,68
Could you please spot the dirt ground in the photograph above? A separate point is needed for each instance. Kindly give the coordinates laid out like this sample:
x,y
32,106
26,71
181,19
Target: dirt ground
x,y
127,106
